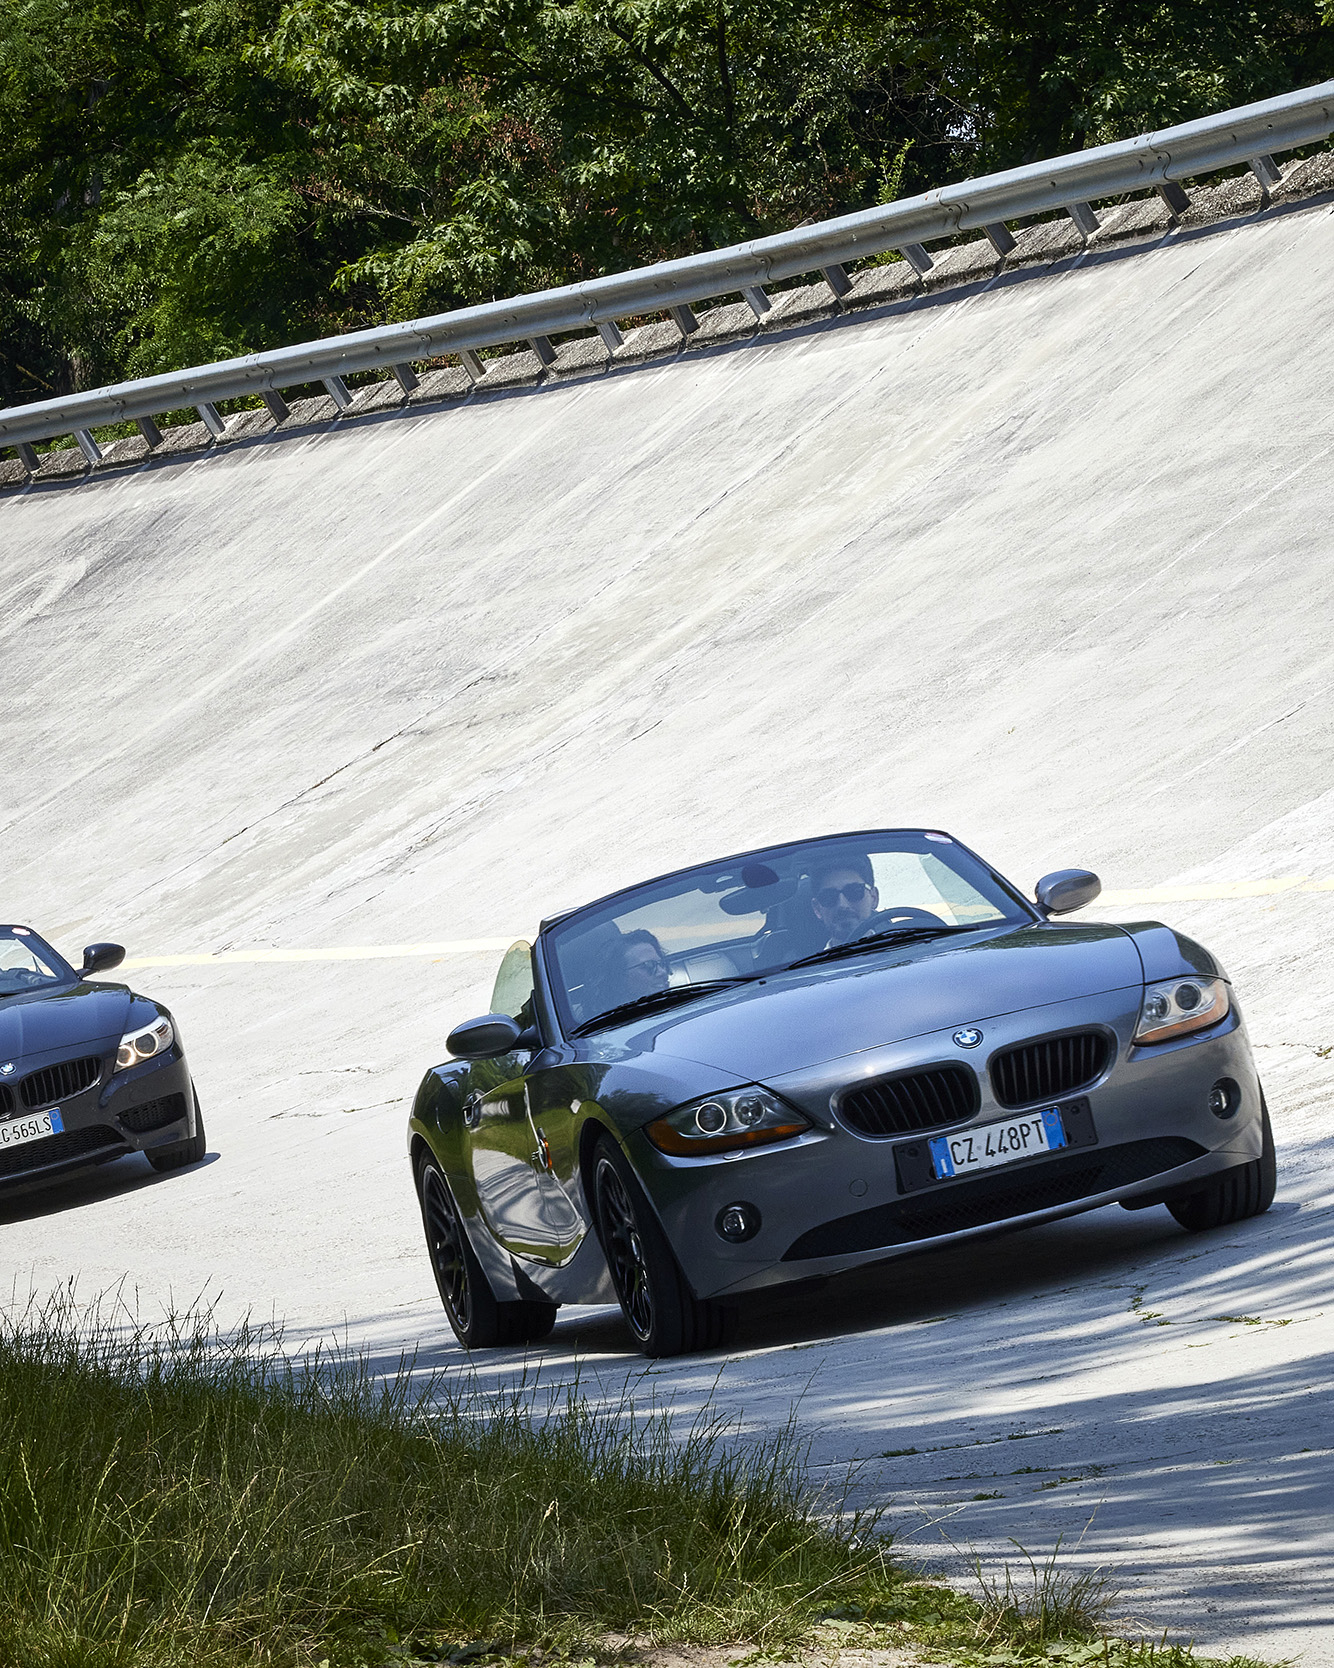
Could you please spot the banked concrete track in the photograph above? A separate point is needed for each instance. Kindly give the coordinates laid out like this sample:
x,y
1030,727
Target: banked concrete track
x,y
1044,561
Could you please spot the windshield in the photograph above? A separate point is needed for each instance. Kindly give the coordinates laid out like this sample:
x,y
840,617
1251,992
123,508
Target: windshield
x,y
27,963
749,915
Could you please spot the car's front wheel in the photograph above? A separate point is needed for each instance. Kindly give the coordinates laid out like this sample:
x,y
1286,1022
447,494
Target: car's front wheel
x,y
1245,1190
478,1318
181,1153
665,1317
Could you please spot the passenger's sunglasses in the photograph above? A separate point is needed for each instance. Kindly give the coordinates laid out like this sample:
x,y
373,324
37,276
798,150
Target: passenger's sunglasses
x,y
654,965
827,897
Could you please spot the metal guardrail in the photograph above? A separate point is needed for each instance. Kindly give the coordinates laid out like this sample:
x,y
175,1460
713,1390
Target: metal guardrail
x,y
1250,135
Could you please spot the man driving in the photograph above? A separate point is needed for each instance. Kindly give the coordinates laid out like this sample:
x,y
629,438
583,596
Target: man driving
x,y
646,971
843,896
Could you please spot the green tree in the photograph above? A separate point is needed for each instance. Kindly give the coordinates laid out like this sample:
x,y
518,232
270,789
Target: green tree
x,y
184,181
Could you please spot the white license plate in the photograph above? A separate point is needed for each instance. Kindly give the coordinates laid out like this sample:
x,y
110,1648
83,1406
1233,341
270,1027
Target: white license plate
x,y
991,1144
15,1131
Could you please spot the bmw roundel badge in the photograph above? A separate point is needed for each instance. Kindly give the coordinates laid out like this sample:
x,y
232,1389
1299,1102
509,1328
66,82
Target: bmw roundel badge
x,y
969,1037
7,1070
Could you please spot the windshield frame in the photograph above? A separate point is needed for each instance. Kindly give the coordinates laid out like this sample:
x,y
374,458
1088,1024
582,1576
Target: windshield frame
x,y
65,974
551,990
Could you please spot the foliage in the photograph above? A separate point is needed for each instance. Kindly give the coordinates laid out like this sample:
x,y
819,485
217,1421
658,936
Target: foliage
x,y
185,1498
180,181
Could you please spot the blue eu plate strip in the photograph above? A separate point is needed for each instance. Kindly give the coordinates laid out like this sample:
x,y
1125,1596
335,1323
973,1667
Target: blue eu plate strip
x,y
57,1123
1051,1119
940,1155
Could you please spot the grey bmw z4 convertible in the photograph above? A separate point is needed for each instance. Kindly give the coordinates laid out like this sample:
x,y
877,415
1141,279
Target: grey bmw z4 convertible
x,y
811,1057
88,1071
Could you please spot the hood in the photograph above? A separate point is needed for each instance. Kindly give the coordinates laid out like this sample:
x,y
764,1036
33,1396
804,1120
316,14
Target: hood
x,y
39,1022
814,1014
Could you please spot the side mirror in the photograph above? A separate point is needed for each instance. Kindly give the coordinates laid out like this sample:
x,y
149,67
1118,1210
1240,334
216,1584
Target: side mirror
x,y
1066,889
484,1038
99,958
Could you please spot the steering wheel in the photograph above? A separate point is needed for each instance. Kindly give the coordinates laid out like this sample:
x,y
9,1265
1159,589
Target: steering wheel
x,y
900,915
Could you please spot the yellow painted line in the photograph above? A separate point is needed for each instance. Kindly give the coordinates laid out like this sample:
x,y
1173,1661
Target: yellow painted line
x,y
1214,891
357,952
1209,892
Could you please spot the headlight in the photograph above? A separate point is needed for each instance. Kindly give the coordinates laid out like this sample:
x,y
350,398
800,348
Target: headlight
x,y
137,1046
723,1123
1175,1006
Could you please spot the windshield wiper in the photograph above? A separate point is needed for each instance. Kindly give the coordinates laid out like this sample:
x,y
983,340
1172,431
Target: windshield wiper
x,y
659,999
877,940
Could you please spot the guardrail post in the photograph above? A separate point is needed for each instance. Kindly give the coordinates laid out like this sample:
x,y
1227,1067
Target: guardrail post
x,y
683,316
88,446
1266,171
611,335
28,457
546,354
1175,198
837,279
338,392
276,406
1083,217
406,378
917,258
150,431
1001,238
472,364
758,302
211,418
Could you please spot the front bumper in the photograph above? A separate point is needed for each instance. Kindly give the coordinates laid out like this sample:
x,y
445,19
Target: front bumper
x,y
151,1105
834,1200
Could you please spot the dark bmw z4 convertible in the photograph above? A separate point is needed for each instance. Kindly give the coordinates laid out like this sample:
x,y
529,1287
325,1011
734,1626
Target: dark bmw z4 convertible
x,y
88,1072
811,1057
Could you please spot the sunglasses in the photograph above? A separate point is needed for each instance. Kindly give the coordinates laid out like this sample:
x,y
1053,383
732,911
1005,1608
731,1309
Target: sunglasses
x,y
654,965
827,897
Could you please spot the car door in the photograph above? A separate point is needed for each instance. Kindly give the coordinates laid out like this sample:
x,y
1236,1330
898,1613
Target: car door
x,y
503,1155
520,1135
554,1095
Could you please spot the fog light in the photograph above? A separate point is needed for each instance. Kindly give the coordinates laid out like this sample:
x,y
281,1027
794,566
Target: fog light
x,y
738,1223
1224,1098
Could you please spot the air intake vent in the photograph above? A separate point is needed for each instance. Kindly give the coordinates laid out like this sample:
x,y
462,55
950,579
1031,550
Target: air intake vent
x,y
917,1100
1044,1070
154,1114
6,1100
56,1083
68,1147
1043,1184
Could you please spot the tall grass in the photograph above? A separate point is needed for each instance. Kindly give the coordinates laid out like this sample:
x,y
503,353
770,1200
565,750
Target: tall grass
x,y
173,1496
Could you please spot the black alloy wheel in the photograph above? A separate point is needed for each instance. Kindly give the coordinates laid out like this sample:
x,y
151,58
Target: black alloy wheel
x,y
180,1153
479,1320
625,1252
1245,1190
445,1247
665,1317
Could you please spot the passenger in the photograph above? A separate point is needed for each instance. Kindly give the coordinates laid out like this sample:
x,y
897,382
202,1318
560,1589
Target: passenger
x,y
645,964
843,895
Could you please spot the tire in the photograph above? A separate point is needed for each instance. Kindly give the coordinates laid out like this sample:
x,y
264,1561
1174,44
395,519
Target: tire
x,y
659,1308
181,1153
1245,1190
479,1320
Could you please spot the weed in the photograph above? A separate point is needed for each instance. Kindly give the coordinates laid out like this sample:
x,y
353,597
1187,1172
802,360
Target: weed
x,y
180,1499
1249,1320
1048,1607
